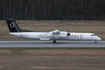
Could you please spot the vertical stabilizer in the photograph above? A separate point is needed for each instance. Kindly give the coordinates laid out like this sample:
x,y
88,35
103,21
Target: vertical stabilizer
x,y
13,27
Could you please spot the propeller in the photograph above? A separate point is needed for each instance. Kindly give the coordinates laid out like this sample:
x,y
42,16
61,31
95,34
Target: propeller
x,y
68,33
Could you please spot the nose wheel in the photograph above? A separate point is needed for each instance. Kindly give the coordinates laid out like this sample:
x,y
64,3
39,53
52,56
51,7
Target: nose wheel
x,y
95,41
54,41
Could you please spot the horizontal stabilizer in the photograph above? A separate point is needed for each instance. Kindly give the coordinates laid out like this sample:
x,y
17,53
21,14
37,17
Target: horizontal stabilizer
x,y
13,27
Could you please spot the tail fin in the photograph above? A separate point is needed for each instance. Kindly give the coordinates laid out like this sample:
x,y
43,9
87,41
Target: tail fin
x,y
13,27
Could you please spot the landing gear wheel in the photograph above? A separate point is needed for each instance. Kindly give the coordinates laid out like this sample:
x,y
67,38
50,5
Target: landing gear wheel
x,y
54,41
95,41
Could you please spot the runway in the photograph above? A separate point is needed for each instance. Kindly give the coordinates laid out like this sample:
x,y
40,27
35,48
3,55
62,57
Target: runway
x,y
49,44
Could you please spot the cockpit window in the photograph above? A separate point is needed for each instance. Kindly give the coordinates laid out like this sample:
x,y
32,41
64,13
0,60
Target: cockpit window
x,y
93,35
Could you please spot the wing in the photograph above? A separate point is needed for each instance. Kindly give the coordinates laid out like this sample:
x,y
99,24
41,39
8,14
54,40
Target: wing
x,y
56,34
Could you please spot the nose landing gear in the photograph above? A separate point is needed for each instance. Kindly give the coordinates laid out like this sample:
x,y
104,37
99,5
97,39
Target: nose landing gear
x,y
95,41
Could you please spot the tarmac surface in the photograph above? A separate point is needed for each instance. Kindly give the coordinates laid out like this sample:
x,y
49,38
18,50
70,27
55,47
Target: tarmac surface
x,y
49,44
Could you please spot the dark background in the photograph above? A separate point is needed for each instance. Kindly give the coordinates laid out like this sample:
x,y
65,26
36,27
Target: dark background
x,y
53,9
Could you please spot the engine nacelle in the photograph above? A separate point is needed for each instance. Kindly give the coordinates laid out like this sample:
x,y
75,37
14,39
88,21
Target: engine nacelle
x,y
56,32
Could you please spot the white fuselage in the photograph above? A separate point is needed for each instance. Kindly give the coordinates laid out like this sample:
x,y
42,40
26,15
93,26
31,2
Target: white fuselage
x,y
61,36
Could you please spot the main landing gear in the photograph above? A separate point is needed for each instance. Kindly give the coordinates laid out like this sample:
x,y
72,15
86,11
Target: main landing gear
x,y
54,41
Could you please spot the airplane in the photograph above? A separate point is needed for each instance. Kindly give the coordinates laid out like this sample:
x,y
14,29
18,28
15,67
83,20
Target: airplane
x,y
52,35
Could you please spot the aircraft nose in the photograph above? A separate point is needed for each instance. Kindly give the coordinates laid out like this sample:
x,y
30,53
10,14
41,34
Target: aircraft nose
x,y
98,38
